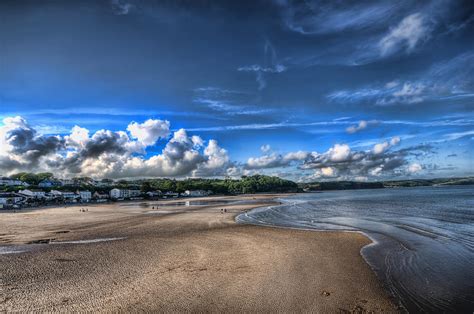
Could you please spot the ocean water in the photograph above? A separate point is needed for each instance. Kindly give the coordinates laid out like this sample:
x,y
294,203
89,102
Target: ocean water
x,y
423,238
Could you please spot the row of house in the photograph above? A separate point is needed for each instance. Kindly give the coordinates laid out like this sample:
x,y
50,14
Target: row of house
x,y
84,196
33,197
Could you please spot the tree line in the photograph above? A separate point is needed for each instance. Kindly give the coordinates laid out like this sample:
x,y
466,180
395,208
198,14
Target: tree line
x,y
244,185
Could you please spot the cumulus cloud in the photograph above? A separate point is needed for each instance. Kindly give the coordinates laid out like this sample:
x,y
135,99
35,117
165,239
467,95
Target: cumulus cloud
x,y
340,161
275,160
107,153
118,154
339,152
346,163
380,148
22,146
217,161
78,137
414,168
149,131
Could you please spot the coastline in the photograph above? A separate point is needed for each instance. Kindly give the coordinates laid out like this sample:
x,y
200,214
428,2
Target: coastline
x,y
194,259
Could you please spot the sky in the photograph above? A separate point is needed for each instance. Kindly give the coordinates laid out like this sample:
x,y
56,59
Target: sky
x,y
308,91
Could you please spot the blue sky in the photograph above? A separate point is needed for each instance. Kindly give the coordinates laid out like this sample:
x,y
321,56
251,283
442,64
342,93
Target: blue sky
x,y
313,90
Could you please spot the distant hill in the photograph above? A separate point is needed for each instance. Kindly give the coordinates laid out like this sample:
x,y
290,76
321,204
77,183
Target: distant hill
x,y
355,185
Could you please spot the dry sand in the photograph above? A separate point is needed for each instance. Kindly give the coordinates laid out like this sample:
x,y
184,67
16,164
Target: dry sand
x,y
194,260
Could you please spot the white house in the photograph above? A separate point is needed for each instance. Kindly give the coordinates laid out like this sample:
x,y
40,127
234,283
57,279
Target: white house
x,y
69,196
123,193
85,196
196,193
32,193
12,182
116,193
65,195
170,194
10,198
153,194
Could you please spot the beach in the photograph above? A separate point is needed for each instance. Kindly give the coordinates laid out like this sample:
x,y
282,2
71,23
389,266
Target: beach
x,y
176,256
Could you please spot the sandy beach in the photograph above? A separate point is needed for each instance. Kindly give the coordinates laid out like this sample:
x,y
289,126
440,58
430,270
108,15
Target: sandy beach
x,y
179,257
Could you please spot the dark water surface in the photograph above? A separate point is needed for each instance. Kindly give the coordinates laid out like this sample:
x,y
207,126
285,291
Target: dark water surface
x,y
423,238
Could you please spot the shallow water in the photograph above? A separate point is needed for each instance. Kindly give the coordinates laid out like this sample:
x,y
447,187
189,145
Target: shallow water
x,y
423,238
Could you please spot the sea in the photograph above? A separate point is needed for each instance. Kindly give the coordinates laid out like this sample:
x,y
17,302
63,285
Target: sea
x,y
422,238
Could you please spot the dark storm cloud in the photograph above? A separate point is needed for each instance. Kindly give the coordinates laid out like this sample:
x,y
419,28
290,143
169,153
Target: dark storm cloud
x,y
102,142
7,164
26,142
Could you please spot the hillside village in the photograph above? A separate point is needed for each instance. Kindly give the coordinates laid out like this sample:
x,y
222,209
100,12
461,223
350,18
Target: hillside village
x,y
20,194
31,190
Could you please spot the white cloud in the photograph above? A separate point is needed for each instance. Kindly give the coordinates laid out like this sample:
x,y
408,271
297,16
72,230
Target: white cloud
x,y
278,68
412,30
149,131
328,171
382,147
265,148
275,160
108,154
265,161
392,84
414,168
339,152
376,171
120,7
271,65
78,137
217,161
457,135
298,155
395,141
356,128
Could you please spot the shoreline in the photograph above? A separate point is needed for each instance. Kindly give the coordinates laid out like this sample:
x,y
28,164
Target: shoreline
x,y
373,242
257,247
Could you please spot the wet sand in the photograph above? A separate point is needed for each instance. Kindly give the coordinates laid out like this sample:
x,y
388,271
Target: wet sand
x,y
193,258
